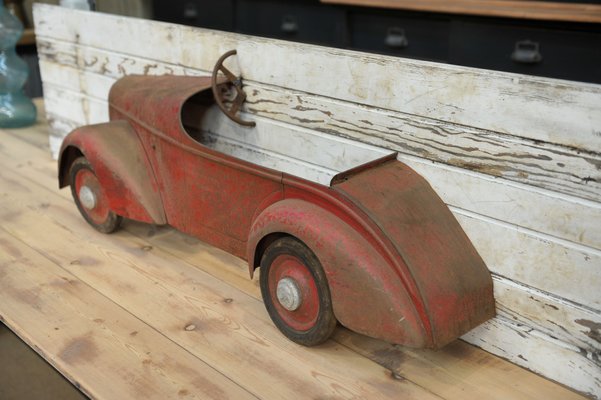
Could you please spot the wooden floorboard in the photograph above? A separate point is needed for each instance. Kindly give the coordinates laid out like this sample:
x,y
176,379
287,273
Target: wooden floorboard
x,y
152,313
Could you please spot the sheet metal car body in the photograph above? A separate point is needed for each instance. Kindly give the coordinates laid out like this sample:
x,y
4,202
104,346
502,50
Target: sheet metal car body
x,y
377,250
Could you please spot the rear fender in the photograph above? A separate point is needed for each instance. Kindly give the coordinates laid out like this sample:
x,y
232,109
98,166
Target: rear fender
x,y
121,165
367,295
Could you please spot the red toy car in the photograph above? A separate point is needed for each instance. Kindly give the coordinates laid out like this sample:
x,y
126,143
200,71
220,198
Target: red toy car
x,y
374,248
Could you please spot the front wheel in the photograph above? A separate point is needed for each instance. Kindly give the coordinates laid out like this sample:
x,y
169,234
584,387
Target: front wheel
x,y
90,197
296,293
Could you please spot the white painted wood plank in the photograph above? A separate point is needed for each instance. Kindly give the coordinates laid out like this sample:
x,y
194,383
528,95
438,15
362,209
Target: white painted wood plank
x,y
82,109
330,152
543,109
571,272
552,167
538,352
562,216
566,322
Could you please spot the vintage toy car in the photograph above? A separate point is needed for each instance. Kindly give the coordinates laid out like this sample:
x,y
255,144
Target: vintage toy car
x,y
372,247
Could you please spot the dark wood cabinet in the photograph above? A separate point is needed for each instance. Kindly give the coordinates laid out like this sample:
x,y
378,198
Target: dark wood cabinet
x,y
564,50
303,21
557,53
402,35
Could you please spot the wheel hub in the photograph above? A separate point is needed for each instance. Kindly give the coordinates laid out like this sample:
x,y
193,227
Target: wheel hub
x,y
289,294
87,198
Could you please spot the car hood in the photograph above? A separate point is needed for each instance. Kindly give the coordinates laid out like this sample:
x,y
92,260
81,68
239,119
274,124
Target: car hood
x,y
451,278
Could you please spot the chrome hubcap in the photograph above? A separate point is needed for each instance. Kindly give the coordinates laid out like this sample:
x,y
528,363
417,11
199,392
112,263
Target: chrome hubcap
x,y
87,198
289,294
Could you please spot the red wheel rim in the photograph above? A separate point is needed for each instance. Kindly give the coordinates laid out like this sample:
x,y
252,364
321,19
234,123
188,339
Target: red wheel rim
x,y
305,316
100,213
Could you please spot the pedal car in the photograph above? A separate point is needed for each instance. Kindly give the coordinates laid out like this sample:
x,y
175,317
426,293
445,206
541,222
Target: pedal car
x,y
341,232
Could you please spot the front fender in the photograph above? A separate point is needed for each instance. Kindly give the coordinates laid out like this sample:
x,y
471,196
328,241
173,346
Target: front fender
x,y
121,165
367,295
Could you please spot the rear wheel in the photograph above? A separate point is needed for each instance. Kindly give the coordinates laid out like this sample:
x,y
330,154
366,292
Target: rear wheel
x,y
296,293
90,197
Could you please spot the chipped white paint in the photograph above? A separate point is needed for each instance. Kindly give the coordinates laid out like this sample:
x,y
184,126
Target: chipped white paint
x,y
416,87
517,158
497,154
533,349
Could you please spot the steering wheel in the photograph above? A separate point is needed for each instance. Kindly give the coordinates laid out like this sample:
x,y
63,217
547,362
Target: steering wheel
x,y
231,79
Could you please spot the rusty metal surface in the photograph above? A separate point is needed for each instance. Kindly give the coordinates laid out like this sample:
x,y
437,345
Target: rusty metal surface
x,y
120,163
205,193
454,284
367,295
398,265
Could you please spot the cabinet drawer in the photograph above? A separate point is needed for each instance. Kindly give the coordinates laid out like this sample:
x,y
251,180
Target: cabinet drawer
x,y
203,13
305,21
563,54
400,34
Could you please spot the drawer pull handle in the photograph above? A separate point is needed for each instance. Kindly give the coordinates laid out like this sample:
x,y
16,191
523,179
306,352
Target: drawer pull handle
x,y
190,11
395,38
527,52
289,24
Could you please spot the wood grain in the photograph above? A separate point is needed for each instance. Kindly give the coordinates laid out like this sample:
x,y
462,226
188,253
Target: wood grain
x,y
544,10
90,338
548,316
170,294
212,320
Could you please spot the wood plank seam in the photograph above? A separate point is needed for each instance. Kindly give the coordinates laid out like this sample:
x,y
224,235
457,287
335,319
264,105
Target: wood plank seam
x,y
531,232
579,180
582,188
44,42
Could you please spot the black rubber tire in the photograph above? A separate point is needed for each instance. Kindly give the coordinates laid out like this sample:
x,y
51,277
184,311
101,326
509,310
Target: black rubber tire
x,y
113,221
326,321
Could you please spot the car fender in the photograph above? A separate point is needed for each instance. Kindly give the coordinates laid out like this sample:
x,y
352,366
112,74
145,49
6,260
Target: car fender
x,y
121,165
367,295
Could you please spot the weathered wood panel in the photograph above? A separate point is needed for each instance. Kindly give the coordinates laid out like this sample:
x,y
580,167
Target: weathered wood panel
x,y
568,271
415,87
498,154
572,325
565,217
516,157
534,350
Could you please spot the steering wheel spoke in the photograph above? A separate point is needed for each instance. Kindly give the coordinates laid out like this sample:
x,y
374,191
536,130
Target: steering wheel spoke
x,y
236,102
230,76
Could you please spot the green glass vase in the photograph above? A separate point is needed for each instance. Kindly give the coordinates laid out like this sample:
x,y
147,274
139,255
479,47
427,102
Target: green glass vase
x,y
16,109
